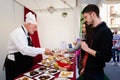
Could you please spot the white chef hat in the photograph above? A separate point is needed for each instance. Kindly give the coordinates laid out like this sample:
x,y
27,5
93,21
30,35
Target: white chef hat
x,y
30,18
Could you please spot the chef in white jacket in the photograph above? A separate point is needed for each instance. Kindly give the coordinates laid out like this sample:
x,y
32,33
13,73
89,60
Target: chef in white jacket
x,y
21,51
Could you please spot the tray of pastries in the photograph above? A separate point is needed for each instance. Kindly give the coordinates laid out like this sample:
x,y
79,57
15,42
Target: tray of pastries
x,y
65,74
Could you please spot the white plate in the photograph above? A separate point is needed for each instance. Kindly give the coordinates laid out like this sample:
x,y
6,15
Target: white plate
x,y
21,78
45,64
28,74
40,63
37,78
37,69
62,79
66,74
57,71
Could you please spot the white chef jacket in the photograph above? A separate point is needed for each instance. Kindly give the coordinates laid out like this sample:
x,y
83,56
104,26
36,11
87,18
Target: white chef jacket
x,y
18,43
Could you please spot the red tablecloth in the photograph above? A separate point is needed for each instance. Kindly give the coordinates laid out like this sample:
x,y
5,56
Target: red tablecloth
x,y
73,68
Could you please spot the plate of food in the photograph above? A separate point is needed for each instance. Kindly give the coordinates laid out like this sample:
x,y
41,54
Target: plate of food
x,y
52,71
24,78
44,77
68,74
42,68
32,73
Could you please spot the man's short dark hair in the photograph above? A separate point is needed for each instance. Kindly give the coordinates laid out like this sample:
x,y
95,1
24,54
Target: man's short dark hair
x,y
91,8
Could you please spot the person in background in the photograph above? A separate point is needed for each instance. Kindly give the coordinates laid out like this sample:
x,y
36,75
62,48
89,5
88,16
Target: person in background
x,y
99,49
86,31
115,48
20,49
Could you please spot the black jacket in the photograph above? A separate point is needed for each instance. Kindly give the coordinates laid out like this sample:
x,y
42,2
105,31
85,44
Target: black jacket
x,y
101,37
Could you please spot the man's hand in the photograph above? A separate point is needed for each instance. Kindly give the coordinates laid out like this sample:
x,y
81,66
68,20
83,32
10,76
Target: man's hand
x,y
84,46
48,51
82,71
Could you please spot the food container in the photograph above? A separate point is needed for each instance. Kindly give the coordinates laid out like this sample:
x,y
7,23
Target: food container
x,y
64,66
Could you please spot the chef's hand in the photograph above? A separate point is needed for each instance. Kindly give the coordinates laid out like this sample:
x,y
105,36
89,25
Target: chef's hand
x,y
48,51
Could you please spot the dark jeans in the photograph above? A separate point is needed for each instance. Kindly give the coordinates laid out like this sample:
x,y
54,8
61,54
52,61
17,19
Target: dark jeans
x,y
21,64
93,76
115,53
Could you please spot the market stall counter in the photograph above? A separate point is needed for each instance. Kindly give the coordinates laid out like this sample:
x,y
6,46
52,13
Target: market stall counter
x,y
54,67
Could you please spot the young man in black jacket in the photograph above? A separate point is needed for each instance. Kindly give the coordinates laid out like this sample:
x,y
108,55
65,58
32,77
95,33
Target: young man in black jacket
x,y
99,47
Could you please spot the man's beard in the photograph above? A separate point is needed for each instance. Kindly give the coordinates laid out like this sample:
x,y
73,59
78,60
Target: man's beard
x,y
91,24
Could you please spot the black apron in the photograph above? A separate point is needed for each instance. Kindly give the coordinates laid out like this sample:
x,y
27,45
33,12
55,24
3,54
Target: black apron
x,y
21,64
